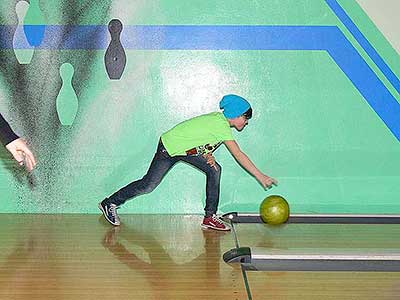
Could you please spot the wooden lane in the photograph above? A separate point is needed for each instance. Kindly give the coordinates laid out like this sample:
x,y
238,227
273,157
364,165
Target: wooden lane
x,y
322,238
288,236
324,285
148,257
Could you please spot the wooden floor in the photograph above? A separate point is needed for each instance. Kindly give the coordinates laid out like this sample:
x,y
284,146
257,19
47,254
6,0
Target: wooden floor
x,y
82,257
170,257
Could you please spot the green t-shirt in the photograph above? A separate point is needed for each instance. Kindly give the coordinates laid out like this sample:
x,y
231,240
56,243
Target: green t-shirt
x,y
204,133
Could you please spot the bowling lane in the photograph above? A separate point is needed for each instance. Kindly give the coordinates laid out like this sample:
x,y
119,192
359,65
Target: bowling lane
x,y
322,238
319,236
324,285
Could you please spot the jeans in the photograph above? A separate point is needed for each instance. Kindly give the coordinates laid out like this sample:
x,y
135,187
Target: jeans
x,y
162,162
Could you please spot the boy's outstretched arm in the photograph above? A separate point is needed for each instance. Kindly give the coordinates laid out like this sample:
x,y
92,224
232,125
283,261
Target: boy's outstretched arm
x,y
246,163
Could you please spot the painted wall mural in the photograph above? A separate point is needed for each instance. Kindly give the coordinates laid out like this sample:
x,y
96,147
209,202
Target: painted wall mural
x,y
93,85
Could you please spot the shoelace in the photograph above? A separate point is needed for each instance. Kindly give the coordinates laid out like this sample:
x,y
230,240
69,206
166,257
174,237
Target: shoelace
x,y
113,210
217,220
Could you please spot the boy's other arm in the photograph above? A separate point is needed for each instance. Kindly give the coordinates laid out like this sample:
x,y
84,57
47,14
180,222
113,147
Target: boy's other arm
x,y
246,163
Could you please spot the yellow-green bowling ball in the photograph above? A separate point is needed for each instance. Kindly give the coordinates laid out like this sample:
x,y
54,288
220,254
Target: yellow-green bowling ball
x,y
274,210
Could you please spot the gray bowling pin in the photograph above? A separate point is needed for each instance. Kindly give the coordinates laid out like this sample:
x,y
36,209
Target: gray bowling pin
x,y
115,58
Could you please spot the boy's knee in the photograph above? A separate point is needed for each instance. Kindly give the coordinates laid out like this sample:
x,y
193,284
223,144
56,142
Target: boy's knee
x,y
148,184
149,188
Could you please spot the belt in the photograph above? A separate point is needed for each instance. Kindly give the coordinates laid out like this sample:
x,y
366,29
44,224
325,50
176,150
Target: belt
x,y
192,151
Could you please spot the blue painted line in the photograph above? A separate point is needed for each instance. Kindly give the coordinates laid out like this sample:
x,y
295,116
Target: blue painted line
x,y
224,37
365,44
323,38
97,37
34,34
365,80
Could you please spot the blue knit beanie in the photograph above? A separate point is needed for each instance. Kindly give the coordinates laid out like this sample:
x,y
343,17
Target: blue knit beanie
x,y
234,106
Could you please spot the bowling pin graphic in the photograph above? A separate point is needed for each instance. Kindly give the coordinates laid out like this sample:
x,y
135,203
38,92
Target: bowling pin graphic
x,y
115,58
67,101
22,49
34,24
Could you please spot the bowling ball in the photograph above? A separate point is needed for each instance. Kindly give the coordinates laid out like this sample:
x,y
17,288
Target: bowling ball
x,y
274,210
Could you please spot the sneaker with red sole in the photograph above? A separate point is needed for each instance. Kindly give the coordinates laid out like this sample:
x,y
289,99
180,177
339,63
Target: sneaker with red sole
x,y
213,222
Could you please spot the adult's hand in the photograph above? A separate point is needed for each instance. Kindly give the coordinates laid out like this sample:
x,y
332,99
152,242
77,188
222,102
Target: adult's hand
x,y
21,153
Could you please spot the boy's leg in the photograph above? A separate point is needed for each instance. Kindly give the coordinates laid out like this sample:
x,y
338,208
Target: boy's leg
x,y
212,191
213,181
162,162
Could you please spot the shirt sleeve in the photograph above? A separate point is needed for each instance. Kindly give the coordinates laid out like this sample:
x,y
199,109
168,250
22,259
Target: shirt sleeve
x,y
6,133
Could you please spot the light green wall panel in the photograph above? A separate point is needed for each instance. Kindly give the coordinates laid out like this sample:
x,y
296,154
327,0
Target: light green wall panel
x,y
311,129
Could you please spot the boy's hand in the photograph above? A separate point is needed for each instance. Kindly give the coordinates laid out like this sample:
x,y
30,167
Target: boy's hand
x,y
211,160
266,181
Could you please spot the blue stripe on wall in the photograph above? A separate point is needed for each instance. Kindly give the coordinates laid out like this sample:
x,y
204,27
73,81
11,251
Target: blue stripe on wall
x,y
362,40
96,37
328,38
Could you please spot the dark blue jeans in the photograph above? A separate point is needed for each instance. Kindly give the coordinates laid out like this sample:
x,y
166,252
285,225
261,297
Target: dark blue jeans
x,y
162,162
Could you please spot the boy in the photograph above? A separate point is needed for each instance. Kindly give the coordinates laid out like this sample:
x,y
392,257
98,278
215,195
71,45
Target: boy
x,y
16,146
194,141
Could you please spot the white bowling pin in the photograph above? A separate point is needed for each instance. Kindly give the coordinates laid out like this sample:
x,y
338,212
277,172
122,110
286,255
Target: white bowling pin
x,y
22,49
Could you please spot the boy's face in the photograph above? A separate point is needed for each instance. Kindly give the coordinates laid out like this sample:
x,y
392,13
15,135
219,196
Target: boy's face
x,y
239,123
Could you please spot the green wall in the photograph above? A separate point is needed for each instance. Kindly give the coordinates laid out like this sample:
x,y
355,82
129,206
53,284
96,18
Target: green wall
x,y
312,129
